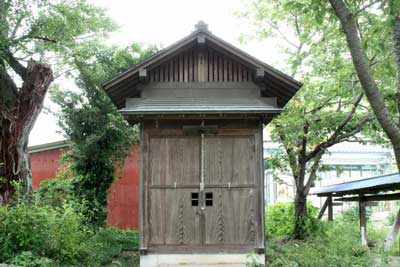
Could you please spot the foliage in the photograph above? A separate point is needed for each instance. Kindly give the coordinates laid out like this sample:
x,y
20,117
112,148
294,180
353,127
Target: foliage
x,y
110,242
330,107
27,259
279,219
353,214
36,233
251,261
100,136
55,192
44,231
33,33
100,141
337,245
51,29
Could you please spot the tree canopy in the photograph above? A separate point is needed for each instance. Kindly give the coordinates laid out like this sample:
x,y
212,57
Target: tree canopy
x,y
100,136
37,37
331,107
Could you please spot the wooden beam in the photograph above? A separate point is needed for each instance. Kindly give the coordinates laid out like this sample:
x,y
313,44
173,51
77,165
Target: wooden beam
x,y
391,238
330,208
323,209
363,220
386,197
142,74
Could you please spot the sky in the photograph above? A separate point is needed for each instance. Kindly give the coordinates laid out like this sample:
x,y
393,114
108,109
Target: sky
x,y
164,22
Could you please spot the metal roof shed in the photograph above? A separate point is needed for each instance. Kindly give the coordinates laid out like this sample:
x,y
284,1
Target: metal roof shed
x,y
363,191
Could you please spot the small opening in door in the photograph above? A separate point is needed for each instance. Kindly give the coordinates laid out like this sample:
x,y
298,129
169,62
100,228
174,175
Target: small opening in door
x,y
195,199
209,199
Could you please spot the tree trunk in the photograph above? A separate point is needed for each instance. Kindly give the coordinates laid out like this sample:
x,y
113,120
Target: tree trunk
x,y
300,211
391,238
365,76
16,122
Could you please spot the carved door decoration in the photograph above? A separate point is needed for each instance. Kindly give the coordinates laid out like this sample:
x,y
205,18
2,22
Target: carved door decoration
x,y
202,191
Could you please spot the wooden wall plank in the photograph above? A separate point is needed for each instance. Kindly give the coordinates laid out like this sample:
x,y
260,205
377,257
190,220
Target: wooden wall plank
x,y
195,66
215,67
200,67
180,68
200,64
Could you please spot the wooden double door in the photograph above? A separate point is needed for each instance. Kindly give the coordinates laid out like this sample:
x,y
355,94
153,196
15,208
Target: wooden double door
x,y
203,192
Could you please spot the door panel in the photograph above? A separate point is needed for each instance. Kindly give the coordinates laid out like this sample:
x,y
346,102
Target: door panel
x,y
174,160
173,219
230,181
231,220
230,159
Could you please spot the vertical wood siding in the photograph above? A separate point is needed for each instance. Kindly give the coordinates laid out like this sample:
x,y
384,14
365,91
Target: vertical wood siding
x,y
197,65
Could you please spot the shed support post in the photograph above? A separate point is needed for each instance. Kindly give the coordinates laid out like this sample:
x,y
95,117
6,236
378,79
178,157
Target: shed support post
x,y
391,238
363,221
330,208
323,209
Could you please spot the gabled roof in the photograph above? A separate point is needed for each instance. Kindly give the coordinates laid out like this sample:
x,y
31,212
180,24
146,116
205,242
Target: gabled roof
x,y
116,87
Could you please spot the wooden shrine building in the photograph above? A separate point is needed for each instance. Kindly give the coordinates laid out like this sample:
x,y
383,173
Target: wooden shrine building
x,y
201,104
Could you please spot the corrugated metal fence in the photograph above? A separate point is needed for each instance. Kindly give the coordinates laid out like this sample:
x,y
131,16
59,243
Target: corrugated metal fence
x,y
123,205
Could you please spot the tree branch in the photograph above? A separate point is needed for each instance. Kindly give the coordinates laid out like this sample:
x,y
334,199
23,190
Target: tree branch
x,y
14,64
334,138
8,89
313,172
365,7
290,154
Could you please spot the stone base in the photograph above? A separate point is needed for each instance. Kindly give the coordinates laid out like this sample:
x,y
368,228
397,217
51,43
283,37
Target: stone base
x,y
197,260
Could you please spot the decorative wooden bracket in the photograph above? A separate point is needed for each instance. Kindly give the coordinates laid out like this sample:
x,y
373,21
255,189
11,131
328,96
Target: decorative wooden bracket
x,y
201,39
260,75
142,74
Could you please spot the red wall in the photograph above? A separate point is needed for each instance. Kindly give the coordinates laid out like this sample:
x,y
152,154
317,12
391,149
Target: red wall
x,y
123,201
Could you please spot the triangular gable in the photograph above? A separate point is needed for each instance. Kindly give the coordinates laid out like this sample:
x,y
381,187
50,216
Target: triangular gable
x,y
222,55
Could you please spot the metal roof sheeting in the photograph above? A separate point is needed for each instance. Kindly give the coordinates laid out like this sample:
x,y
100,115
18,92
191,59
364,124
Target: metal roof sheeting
x,y
375,184
181,105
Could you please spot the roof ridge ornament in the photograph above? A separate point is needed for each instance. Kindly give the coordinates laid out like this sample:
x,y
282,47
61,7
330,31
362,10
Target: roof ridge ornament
x,y
201,26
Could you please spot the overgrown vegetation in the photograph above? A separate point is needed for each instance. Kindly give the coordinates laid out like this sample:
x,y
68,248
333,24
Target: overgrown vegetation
x,y
38,232
337,245
333,244
100,136
280,220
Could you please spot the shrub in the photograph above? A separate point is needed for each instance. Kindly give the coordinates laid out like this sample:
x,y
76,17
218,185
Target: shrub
x,y
280,219
43,231
55,192
109,242
338,245
48,229
27,259
353,214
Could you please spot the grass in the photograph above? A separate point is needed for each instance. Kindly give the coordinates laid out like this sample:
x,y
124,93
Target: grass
x,y
335,244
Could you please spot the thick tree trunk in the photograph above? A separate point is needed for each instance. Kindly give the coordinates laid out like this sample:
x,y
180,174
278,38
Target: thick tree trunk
x,y
16,122
300,210
365,76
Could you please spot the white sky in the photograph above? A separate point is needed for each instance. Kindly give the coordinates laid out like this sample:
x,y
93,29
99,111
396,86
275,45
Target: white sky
x,y
165,22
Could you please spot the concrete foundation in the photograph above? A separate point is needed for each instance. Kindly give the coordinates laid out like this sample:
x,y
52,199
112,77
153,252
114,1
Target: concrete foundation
x,y
197,260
